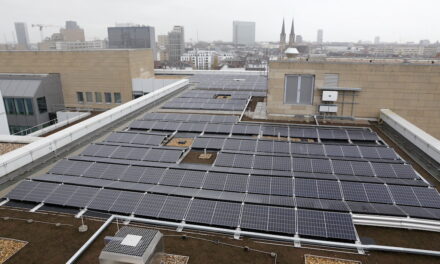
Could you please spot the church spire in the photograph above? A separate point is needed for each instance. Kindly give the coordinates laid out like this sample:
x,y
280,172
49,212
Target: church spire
x,y
283,32
292,35
283,38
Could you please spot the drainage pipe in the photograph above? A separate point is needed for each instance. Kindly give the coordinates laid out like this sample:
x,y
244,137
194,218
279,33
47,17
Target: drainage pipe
x,y
249,234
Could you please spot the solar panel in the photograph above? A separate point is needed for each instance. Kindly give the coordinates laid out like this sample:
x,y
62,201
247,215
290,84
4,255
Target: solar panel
x,y
255,217
377,193
201,211
281,186
215,181
174,208
311,223
259,185
403,195
339,226
226,214
150,205
61,195
104,200
306,188
82,197
193,179
328,190
427,197
21,190
236,183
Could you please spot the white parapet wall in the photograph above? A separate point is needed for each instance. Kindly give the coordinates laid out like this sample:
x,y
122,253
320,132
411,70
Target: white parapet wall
x,y
192,72
25,155
427,143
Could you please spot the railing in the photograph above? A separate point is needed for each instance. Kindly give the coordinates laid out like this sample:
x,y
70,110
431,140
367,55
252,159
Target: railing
x,y
30,130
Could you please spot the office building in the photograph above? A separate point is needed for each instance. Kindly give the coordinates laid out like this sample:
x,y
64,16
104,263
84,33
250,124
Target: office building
x,y
320,37
200,59
176,44
97,79
132,37
243,33
22,35
80,45
72,32
30,100
377,40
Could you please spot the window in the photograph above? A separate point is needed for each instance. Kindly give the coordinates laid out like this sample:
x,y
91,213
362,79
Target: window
x,y
117,97
108,98
331,80
19,106
41,103
89,97
98,97
299,89
29,106
80,97
9,105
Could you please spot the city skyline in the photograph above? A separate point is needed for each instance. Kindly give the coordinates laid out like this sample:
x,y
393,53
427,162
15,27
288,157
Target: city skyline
x,y
340,20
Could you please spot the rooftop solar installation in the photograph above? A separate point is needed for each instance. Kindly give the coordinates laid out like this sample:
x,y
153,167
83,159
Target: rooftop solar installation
x,y
273,178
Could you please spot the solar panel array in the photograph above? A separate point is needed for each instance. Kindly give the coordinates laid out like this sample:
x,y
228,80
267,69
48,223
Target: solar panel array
x,y
240,129
281,179
230,82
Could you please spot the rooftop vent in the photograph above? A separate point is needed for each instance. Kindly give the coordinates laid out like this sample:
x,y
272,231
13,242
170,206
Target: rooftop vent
x,y
132,245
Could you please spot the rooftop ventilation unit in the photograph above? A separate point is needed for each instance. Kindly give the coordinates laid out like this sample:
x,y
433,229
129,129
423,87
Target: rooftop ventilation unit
x,y
131,245
329,96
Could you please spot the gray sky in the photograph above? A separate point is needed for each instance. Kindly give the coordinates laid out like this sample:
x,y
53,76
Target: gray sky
x,y
341,20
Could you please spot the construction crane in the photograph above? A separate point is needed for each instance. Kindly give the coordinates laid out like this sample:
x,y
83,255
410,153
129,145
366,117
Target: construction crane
x,y
40,27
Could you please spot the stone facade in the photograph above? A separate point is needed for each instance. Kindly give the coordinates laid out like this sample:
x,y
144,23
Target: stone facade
x,y
97,71
410,90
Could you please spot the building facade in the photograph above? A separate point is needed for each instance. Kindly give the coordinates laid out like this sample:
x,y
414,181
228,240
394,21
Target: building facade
x,y
411,90
199,59
132,37
22,35
320,37
72,32
80,45
176,44
30,100
97,79
243,33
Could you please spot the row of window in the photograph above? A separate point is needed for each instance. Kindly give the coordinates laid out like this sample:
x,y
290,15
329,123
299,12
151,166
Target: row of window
x,y
24,106
108,98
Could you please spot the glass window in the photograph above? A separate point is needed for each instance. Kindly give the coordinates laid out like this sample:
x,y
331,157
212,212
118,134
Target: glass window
x,y
89,97
108,98
9,105
80,97
19,106
117,97
41,103
98,97
29,106
299,89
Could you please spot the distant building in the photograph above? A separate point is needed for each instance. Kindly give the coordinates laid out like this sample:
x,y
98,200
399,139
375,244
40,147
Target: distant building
x,y
377,40
30,100
22,35
132,37
72,32
299,39
320,38
162,44
243,33
176,44
80,45
200,59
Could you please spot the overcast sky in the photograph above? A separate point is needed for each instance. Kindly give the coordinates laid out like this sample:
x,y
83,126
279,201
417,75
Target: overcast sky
x,y
341,20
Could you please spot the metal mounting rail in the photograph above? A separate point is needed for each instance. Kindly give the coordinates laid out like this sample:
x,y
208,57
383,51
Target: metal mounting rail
x,y
396,222
233,232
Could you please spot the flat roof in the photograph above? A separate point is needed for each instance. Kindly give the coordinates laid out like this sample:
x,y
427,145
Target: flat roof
x,y
208,168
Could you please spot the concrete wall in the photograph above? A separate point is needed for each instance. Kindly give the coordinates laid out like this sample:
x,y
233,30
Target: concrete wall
x,y
4,127
412,91
85,71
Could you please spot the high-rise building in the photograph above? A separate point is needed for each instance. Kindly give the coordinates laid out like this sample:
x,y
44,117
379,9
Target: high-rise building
x,y
320,38
22,35
299,39
176,44
283,38
132,37
243,33
292,35
377,40
72,32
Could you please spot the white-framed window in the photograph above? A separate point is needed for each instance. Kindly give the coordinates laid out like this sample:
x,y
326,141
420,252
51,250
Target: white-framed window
x,y
298,89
